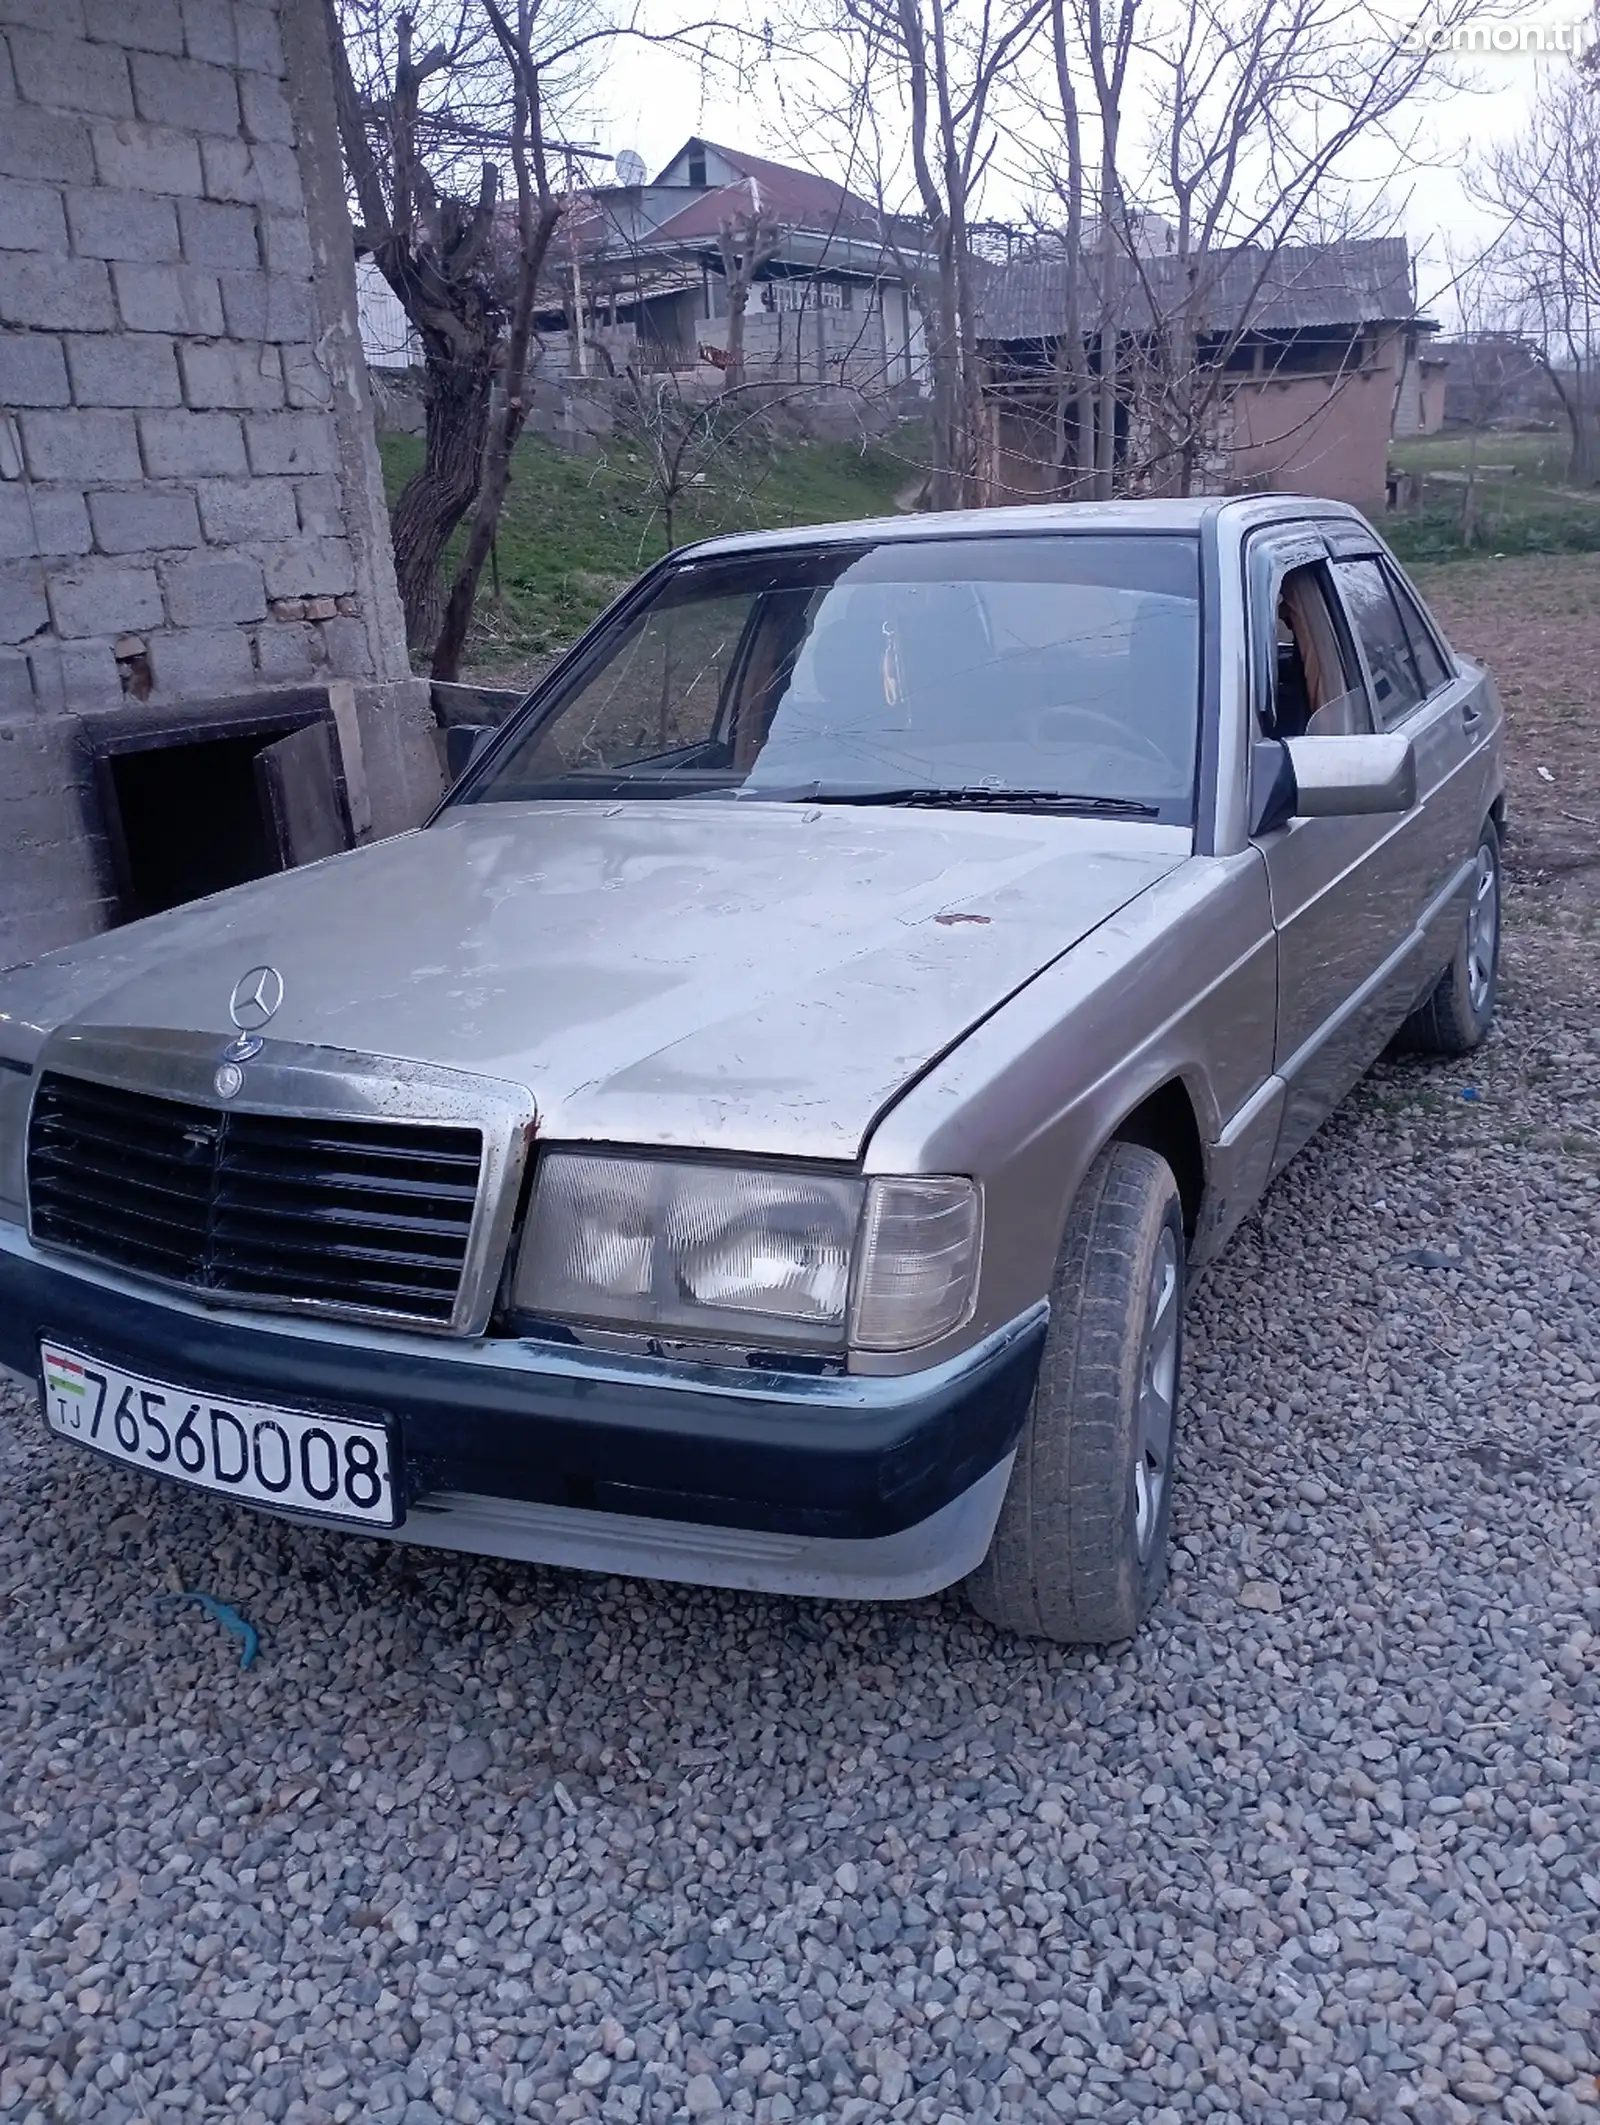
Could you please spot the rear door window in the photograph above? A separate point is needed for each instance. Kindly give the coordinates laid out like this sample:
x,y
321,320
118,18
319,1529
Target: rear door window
x,y
1431,666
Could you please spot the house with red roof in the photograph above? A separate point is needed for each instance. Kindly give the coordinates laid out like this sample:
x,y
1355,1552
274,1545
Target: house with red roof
x,y
642,263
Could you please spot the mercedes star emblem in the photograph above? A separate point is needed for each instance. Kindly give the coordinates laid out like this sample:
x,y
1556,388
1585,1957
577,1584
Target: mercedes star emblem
x,y
255,997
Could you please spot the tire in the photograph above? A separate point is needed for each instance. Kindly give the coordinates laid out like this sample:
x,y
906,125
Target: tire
x,y
1457,1014
1080,1549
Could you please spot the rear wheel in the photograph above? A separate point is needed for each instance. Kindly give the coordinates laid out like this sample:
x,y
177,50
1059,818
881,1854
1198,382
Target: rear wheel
x,y
1080,1550
1458,1012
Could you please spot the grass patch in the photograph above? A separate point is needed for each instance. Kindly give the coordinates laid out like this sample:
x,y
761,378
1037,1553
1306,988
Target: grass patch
x,y
576,530
1524,503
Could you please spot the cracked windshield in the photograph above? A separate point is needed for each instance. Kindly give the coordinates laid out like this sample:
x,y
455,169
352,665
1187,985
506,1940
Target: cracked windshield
x,y
1023,672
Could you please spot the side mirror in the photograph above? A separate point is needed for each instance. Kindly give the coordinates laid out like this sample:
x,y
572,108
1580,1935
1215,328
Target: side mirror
x,y
1343,778
1330,778
462,744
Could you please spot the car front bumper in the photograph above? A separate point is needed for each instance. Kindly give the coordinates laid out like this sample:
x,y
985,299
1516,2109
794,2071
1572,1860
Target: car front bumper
x,y
548,1451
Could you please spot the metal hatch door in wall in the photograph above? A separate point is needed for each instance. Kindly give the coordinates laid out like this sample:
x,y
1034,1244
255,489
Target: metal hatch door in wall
x,y
299,786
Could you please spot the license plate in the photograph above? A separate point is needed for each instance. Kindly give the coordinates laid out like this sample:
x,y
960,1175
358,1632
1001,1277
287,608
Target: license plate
x,y
332,1466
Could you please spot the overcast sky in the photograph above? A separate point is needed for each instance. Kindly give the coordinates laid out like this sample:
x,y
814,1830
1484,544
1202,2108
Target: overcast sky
x,y
652,101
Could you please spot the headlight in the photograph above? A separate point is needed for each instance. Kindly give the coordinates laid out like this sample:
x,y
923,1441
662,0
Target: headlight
x,y
762,1254
15,1086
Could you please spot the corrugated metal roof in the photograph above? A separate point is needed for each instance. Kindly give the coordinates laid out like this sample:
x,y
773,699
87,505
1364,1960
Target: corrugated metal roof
x,y
795,197
1303,286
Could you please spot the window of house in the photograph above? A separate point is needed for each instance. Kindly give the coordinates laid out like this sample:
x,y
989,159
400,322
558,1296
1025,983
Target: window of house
x,y
1375,616
697,169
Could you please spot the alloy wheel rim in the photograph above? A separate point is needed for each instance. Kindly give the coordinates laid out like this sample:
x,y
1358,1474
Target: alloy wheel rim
x,y
1158,1390
1483,929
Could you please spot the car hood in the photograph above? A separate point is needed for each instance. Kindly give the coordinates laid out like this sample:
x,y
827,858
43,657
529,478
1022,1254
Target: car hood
x,y
763,977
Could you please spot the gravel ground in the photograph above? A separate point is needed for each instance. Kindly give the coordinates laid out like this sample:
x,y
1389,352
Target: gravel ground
x,y
475,1841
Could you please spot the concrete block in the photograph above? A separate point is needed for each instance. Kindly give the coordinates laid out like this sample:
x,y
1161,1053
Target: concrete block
x,y
291,442
216,234
65,17
200,660
179,446
211,592
260,173
72,677
267,115
286,245
148,158
266,306
222,373
104,598
209,33
30,217
65,74
125,369
321,506
18,536
23,611
110,223
305,379
184,92
168,299
41,521
39,288
309,568
235,510
140,25
44,144
348,651
60,520
145,520
16,699
287,650
260,40
94,448
32,370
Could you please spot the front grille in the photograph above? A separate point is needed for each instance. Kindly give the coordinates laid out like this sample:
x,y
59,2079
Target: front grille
x,y
356,1215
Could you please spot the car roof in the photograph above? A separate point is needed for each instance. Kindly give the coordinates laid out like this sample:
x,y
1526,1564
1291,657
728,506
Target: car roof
x,y
1190,514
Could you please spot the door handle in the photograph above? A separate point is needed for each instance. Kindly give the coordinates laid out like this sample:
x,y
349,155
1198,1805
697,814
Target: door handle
x,y
1471,714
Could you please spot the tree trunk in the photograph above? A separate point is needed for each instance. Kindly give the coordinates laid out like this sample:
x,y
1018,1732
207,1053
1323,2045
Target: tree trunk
x,y
738,297
1583,461
451,640
436,498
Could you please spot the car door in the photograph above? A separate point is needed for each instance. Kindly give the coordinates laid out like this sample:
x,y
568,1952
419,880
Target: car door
x,y
1418,691
1338,907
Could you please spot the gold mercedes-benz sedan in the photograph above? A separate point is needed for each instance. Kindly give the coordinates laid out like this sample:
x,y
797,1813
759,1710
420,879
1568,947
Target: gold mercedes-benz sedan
x,y
758,1130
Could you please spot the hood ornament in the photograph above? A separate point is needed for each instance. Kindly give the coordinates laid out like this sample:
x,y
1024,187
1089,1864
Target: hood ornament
x,y
255,999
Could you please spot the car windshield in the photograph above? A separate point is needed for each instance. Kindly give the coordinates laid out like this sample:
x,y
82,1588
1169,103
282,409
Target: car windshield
x,y
1053,672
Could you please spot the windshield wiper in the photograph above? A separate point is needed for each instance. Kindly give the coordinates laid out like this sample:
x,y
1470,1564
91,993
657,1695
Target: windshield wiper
x,y
1000,800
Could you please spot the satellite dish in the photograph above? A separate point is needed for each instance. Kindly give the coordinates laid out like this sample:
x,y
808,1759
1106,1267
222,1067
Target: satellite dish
x,y
630,167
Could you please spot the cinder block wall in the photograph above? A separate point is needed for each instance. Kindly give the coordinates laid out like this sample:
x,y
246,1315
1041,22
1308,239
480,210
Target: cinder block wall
x,y
190,500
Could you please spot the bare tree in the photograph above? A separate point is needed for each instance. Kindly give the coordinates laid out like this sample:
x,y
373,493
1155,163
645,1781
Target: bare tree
x,y
748,238
405,106
1546,184
445,108
538,211
947,70
1253,110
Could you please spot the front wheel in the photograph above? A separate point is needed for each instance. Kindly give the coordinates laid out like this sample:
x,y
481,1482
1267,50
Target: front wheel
x,y
1456,1015
1080,1549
